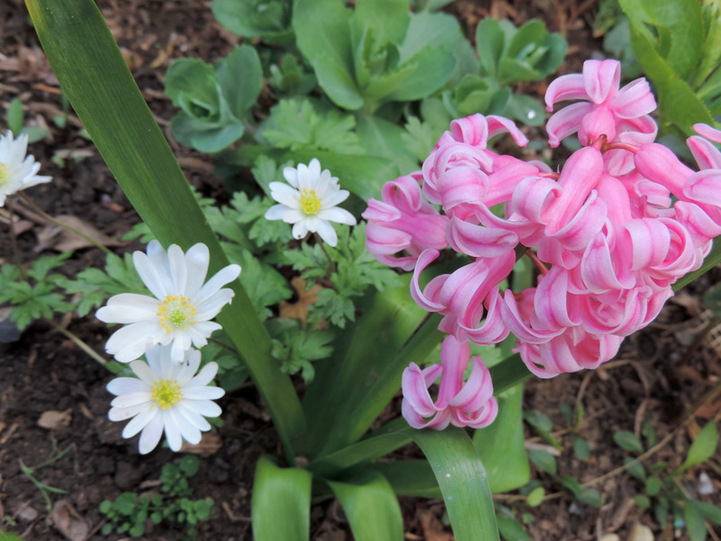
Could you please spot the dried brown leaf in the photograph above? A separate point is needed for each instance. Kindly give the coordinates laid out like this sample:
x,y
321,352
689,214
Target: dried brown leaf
x,y
58,238
209,444
299,309
52,419
67,520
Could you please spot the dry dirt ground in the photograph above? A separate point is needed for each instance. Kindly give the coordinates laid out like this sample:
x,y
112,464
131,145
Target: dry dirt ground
x,y
663,375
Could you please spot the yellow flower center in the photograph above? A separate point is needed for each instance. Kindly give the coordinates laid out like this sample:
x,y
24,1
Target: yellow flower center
x,y
176,313
166,393
4,173
309,202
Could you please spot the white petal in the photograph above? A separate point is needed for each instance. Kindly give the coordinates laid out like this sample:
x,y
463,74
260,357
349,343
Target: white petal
x,y
139,422
193,417
281,212
128,308
196,259
291,175
132,399
300,229
205,376
338,215
178,268
206,408
172,431
150,436
334,197
211,306
145,372
203,393
130,342
188,431
219,279
285,195
154,278
123,414
327,233
124,385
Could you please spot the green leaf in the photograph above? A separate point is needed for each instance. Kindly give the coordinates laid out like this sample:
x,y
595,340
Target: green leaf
x,y
280,505
490,44
544,460
676,36
105,97
463,482
370,505
581,448
635,468
382,138
526,109
323,35
668,56
389,28
695,524
709,511
702,448
297,124
269,19
410,477
628,441
15,116
501,445
535,497
240,76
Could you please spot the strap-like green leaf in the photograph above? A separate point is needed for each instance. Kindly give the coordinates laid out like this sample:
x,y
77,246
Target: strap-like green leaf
x,y
94,76
463,482
370,505
410,477
386,439
281,502
502,445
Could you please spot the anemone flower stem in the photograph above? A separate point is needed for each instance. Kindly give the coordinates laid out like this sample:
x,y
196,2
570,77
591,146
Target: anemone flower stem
x,y
331,263
78,342
50,219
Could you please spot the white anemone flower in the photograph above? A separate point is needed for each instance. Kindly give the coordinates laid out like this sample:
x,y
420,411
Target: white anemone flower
x,y
309,203
17,171
165,397
181,310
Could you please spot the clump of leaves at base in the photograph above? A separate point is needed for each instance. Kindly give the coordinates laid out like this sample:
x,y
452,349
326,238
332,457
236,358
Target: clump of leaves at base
x,y
352,271
129,513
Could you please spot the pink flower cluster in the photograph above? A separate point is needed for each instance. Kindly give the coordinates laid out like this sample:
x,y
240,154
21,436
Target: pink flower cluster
x,y
609,233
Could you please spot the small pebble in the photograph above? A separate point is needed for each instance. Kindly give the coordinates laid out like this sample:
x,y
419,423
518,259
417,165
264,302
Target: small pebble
x,y
639,532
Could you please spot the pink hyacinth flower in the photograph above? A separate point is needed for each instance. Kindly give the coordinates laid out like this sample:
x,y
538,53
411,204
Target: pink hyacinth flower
x,y
403,222
610,112
470,403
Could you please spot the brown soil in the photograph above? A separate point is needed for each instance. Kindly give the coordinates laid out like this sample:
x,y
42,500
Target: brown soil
x,y
660,376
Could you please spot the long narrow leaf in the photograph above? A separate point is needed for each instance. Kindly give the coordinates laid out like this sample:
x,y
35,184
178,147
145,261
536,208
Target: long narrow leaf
x,y
280,507
371,507
102,91
463,482
410,478
386,439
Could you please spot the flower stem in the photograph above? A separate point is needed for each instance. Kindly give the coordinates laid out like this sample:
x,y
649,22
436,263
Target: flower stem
x,y
69,228
331,263
77,341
